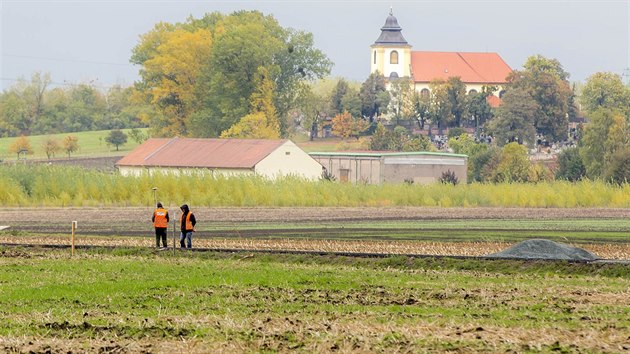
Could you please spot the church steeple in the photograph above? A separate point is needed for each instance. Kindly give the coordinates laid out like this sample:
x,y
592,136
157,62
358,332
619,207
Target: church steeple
x,y
391,32
391,54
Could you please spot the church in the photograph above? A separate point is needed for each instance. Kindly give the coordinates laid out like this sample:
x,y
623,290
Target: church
x,y
392,56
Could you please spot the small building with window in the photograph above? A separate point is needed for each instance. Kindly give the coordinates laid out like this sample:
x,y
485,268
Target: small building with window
x,y
376,167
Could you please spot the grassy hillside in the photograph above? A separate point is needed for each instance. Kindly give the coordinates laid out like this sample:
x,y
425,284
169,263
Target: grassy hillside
x,y
91,143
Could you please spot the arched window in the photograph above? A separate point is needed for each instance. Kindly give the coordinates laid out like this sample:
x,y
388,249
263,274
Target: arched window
x,y
425,92
393,57
374,57
472,92
501,93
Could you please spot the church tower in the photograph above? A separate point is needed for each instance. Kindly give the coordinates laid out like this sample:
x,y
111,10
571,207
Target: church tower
x,y
391,54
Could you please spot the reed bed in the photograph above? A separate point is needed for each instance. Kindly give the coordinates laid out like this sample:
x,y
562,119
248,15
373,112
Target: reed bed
x,y
35,186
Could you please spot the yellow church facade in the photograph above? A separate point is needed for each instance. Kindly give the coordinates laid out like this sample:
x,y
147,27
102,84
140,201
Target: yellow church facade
x,y
391,55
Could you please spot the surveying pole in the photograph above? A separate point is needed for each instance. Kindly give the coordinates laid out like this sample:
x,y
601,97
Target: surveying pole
x,y
154,196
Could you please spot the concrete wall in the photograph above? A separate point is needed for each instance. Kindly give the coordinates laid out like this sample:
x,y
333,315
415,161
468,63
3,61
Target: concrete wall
x,y
392,168
423,169
352,169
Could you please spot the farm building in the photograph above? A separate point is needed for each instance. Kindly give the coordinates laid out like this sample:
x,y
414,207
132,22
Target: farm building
x,y
392,167
229,157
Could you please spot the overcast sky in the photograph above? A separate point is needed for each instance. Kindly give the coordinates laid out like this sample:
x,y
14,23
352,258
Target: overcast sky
x,y
91,41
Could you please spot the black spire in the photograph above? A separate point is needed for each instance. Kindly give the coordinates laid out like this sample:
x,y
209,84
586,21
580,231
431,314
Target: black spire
x,y
391,31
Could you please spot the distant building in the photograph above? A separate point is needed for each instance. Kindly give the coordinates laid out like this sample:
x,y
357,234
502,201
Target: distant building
x,y
228,157
375,167
392,56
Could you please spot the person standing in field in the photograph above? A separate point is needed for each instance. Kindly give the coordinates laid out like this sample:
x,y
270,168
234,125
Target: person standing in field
x,y
187,226
160,222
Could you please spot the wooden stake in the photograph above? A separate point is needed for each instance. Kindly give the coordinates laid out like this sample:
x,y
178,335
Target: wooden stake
x,y
74,227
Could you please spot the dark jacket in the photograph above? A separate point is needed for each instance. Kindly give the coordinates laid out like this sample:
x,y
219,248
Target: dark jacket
x,y
185,212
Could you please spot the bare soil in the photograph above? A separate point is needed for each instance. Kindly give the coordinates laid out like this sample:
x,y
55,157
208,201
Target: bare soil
x,y
131,226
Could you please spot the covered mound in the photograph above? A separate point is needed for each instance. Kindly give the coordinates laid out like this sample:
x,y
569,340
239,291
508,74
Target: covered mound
x,y
545,249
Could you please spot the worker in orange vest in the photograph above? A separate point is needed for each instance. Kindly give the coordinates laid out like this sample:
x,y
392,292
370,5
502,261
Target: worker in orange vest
x,y
160,222
187,226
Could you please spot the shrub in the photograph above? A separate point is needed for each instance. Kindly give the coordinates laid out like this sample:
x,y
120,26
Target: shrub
x,y
449,177
570,165
618,170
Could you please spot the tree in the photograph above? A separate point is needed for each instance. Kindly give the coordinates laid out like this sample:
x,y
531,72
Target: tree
x,y
605,90
421,108
138,136
465,144
70,144
337,97
514,165
547,83
170,75
243,42
514,120
252,126
374,96
618,170
456,93
479,108
399,139
23,105
21,145
402,100
607,132
345,126
570,165
441,110
51,147
116,137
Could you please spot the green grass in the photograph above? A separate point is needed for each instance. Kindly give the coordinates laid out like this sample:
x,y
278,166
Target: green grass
x,y
310,303
91,144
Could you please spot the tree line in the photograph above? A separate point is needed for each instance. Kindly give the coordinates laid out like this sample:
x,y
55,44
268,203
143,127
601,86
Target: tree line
x,y
244,75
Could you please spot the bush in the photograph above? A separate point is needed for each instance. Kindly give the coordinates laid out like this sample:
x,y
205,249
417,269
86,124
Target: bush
x,y
570,165
449,177
618,170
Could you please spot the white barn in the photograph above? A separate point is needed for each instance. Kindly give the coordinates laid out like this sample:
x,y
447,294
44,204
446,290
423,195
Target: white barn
x,y
228,157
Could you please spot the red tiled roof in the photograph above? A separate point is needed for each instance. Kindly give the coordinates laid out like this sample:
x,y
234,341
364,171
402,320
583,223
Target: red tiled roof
x,y
470,67
205,153
493,101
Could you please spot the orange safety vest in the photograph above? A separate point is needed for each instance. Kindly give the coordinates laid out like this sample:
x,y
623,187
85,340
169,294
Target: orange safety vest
x,y
159,218
189,225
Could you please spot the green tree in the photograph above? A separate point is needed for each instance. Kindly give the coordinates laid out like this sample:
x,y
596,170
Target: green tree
x,y
606,133
514,164
479,108
24,105
374,96
570,165
336,97
261,101
245,41
421,108
605,90
402,100
456,93
547,83
514,120
466,145
441,110
116,137
618,170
